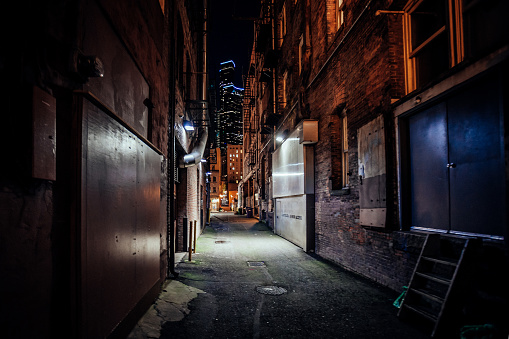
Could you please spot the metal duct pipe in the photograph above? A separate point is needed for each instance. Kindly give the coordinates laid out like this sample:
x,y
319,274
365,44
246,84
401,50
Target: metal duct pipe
x,y
195,156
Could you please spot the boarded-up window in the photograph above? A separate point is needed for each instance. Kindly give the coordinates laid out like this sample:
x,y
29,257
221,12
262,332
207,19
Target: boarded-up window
x,y
372,173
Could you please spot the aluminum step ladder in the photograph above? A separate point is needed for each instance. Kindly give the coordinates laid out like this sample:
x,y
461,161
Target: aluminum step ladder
x,y
433,281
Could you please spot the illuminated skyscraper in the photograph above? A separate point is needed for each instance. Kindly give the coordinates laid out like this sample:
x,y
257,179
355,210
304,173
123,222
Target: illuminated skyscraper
x,y
230,107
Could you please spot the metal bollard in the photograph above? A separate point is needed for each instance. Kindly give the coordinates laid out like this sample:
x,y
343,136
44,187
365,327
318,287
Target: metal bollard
x,y
194,247
190,240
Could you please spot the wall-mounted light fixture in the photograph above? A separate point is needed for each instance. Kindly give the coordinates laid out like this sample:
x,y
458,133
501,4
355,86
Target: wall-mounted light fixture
x,y
203,160
282,136
188,125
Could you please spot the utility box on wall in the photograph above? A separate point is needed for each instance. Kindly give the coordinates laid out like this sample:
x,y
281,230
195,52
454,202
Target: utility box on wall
x,y
308,131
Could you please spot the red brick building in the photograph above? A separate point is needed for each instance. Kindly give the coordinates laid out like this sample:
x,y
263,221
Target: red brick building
x,y
404,104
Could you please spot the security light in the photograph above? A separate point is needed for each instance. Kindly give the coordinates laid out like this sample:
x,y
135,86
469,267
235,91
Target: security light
x,y
188,125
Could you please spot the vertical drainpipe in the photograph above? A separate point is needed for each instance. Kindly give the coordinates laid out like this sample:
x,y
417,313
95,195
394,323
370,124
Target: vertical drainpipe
x,y
170,207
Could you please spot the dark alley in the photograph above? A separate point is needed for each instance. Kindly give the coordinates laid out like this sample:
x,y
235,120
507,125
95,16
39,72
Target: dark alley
x,y
251,283
323,158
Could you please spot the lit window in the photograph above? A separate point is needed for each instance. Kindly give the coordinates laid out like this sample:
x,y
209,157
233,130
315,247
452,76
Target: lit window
x,y
340,20
301,52
344,155
339,151
282,25
433,42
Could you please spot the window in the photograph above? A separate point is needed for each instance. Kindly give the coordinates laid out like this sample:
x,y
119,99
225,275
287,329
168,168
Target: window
x,y
340,171
283,89
427,43
340,20
282,24
213,189
301,52
439,34
344,154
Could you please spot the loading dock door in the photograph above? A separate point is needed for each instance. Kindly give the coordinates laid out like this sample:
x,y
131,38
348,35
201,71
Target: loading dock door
x,y
456,162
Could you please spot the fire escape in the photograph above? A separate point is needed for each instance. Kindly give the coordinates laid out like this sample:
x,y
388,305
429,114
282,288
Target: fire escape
x,y
266,64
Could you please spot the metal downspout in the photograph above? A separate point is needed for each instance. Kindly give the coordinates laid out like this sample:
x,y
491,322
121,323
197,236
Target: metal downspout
x,y
170,206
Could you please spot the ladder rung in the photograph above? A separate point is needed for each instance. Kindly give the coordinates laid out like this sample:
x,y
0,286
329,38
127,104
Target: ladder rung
x,y
428,295
445,261
433,277
422,312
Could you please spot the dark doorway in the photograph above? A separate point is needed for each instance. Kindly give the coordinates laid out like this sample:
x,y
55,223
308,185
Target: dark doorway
x,y
456,162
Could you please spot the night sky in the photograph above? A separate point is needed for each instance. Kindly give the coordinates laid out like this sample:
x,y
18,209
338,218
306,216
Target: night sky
x,y
229,38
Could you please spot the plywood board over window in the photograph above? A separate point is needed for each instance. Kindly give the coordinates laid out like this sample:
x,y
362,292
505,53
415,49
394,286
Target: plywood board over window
x,y
372,172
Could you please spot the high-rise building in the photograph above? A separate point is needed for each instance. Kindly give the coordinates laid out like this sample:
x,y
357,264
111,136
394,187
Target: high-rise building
x,y
229,115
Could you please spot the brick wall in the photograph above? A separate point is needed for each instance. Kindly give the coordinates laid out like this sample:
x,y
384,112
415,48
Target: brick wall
x,y
364,74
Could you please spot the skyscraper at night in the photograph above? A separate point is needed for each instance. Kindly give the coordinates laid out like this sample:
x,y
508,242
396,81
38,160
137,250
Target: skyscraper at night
x,y
229,115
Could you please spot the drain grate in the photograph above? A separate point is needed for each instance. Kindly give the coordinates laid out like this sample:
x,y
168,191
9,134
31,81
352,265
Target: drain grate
x,y
221,241
270,290
256,264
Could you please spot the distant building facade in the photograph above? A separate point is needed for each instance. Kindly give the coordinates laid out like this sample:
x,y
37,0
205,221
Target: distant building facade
x,y
234,160
216,188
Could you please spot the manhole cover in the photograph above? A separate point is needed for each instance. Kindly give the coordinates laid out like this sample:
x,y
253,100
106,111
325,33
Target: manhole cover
x,y
270,290
256,264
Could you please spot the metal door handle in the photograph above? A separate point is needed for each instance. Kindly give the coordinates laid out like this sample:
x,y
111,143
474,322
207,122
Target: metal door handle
x,y
451,165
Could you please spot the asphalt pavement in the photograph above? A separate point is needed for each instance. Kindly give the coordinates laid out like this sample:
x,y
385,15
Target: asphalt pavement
x,y
246,282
